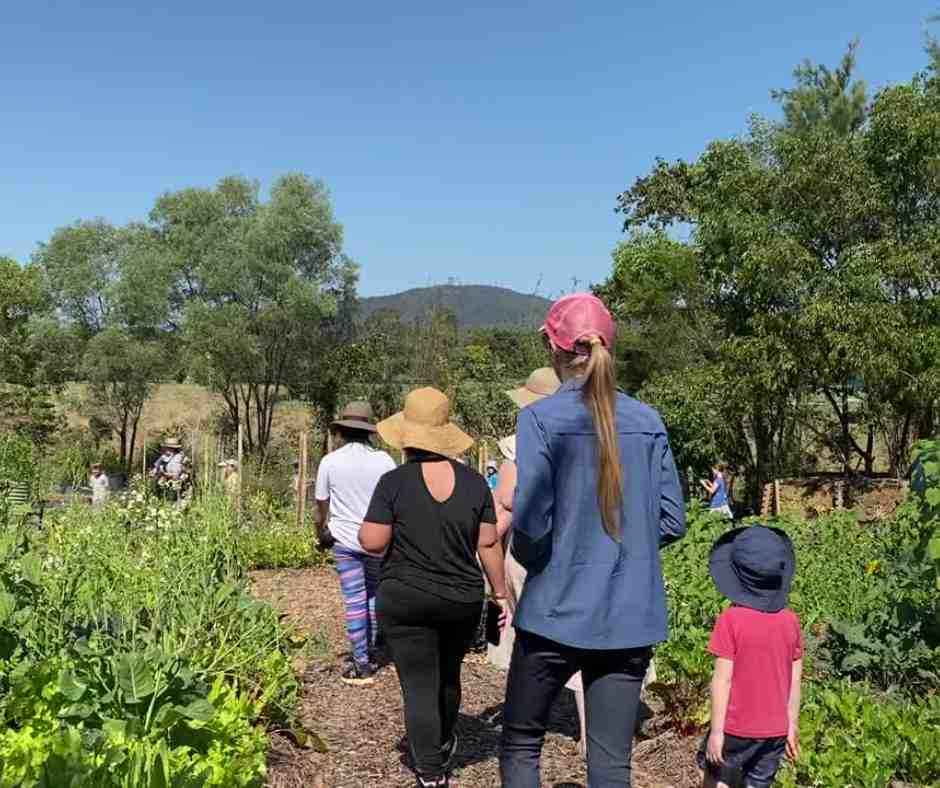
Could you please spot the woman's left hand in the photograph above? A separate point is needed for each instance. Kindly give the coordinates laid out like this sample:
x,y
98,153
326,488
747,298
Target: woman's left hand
x,y
505,614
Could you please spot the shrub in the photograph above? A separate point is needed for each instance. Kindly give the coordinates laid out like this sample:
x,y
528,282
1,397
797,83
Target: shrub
x,y
852,738
271,538
132,654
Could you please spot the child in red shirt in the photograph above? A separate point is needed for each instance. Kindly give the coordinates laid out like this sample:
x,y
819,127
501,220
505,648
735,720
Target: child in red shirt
x,y
759,661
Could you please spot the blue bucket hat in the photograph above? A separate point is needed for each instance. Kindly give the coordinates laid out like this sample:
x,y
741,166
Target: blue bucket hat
x,y
754,567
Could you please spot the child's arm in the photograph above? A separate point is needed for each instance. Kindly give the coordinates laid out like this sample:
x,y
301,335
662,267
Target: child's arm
x,y
793,710
721,694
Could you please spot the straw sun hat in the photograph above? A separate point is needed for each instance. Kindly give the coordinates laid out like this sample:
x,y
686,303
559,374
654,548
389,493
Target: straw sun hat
x,y
425,424
540,384
171,443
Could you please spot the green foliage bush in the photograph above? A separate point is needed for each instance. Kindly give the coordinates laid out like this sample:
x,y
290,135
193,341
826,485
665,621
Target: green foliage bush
x,y
131,653
852,737
270,537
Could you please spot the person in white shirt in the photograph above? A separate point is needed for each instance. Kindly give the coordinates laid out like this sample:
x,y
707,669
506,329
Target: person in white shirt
x,y
346,480
100,485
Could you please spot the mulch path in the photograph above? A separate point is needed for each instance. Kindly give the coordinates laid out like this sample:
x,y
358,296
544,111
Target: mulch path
x,y
360,729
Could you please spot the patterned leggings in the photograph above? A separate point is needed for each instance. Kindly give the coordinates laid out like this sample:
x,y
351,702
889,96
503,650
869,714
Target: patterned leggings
x,y
358,580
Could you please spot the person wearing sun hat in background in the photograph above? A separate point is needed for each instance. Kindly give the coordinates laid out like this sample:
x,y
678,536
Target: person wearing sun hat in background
x,y
540,384
231,480
758,650
346,480
597,496
435,518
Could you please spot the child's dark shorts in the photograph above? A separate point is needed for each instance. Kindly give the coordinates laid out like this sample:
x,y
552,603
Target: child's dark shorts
x,y
749,762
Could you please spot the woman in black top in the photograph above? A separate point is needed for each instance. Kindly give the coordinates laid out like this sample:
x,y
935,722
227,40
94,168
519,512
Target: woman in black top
x,y
434,516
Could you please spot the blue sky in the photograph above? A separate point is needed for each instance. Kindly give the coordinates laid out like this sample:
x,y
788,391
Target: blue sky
x,y
484,143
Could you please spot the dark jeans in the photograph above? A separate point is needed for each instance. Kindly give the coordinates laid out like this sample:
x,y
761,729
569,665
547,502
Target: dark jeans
x,y
427,638
612,681
756,761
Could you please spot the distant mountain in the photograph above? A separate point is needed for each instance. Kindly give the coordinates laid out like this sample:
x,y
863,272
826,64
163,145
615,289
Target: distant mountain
x,y
476,306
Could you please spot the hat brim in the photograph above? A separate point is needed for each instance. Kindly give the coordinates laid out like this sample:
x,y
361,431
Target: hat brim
x,y
363,426
721,568
507,446
524,397
399,433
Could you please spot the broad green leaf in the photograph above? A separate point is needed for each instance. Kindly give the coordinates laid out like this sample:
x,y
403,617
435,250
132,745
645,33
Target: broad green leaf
x,y
933,548
134,675
31,567
71,686
7,606
80,710
198,711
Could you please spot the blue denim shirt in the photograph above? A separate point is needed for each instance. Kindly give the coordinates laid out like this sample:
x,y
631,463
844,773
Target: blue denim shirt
x,y
585,589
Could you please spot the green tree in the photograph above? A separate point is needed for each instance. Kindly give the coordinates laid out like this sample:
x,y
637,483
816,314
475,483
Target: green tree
x,y
808,275
21,300
120,370
250,286
36,355
81,267
825,97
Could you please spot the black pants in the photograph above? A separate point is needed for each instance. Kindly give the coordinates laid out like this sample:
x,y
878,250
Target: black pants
x,y
427,638
612,682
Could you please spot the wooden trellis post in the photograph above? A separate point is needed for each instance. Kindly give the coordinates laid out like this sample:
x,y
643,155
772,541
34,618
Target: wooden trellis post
x,y
241,470
143,455
205,463
302,480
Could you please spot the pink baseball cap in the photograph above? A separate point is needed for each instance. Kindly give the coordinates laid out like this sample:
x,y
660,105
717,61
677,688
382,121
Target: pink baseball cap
x,y
575,318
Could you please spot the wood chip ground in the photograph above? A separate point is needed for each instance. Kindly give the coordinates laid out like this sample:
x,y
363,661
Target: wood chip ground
x,y
362,731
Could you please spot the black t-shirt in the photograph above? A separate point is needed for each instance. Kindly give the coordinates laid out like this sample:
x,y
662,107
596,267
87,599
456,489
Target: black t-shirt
x,y
434,544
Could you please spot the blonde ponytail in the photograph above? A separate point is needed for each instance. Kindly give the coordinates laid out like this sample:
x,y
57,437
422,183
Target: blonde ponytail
x,y
600,393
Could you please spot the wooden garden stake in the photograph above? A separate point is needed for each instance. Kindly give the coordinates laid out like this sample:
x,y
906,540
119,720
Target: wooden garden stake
x,y
302,480
143,455
241,470
205,463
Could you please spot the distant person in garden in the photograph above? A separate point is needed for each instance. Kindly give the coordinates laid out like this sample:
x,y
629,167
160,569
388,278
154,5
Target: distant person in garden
x,y
295,482
719,497
346,480
435,518
231,479
758,649
597,496
100,485
169,465
492,473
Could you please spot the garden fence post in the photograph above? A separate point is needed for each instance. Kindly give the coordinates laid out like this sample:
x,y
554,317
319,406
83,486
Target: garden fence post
x,y
241,471
205,464
302,481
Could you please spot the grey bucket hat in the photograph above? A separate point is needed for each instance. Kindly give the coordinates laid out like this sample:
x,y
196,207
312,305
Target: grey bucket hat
x,y
356,416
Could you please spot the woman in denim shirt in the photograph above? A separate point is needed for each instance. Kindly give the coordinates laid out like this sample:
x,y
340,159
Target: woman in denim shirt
x,y
597,497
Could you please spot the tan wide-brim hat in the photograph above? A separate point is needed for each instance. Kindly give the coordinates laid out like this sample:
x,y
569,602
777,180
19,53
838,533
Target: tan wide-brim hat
x,y
541,384
507,447
356,416
171,443
425,424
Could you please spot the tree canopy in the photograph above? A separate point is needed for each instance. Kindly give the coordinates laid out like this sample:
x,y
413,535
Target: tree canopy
x,y
804,298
